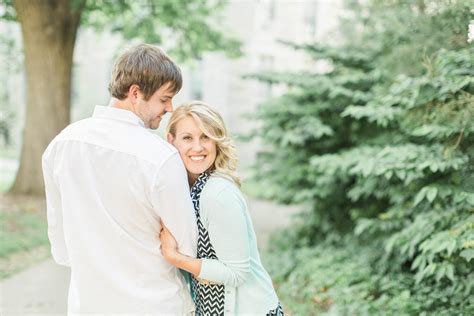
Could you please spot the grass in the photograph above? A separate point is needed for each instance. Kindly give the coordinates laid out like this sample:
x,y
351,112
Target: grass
x,y
21,231
23,234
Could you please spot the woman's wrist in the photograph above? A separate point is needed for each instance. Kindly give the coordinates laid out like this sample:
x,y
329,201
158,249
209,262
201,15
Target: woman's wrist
x,y
181,261
171,255
186,263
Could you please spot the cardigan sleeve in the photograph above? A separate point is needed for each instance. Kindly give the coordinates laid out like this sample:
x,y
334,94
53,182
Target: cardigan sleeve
x,y
229,236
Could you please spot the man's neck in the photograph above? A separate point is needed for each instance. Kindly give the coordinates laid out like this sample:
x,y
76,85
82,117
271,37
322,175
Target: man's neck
x,y
125,105
121,104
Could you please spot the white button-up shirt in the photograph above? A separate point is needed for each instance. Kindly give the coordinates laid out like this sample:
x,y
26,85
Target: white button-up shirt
x,y
108,182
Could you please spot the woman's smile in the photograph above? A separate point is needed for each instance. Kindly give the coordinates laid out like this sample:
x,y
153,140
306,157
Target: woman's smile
x,y
197,158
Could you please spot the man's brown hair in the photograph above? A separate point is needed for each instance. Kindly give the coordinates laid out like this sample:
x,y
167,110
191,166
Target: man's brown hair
x,y
146,66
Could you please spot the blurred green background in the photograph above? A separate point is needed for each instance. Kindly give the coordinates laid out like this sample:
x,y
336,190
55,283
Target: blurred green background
x,y
360,112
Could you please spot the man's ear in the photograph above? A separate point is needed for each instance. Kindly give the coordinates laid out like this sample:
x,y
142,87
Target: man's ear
x,y
133,92
170,138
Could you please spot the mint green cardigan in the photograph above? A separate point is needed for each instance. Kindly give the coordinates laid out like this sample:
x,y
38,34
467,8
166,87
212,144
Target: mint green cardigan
x,y
248,287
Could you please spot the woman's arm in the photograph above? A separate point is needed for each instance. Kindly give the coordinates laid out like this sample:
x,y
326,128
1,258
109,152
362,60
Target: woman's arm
x,y
229,235
169,248
224,212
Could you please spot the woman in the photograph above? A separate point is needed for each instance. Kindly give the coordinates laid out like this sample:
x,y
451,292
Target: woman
x,y
228,276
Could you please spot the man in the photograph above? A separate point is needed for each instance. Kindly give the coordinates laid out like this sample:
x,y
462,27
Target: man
x,y
109,181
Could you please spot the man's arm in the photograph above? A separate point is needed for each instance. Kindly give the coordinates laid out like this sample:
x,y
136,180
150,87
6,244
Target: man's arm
x,y
172,202
54,215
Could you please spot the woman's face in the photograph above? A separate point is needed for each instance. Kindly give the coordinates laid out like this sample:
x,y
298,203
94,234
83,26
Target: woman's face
x,y
197,151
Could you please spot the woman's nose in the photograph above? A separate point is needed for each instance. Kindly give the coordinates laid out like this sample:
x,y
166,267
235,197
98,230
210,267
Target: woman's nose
x,y
197,146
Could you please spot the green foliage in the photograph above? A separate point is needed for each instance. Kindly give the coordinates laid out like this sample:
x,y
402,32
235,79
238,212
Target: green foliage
x,y
349,278
189,27
7,12
384,162
10,65
405,34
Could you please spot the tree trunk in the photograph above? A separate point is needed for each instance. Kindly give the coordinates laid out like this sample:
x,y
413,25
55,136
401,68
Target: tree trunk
x,y
49,29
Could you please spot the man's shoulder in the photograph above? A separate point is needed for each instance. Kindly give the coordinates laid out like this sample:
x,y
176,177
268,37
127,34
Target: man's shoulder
x,y
145,145
159,141
132,140
158,146
68,131
73,128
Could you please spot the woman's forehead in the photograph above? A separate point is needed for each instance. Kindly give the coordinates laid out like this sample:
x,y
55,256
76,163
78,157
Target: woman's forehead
x,y
187,125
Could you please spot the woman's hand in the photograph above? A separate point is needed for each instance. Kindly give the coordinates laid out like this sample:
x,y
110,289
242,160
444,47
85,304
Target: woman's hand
x,y
169,249
169,246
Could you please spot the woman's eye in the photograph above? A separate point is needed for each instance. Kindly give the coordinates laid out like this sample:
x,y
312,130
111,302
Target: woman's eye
x,y
186,137
205,137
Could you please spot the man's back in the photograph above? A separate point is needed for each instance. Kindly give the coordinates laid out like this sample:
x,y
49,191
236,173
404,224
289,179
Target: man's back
x,y
110,182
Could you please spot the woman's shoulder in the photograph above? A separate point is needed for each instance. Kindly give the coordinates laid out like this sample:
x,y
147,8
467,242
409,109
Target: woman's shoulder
x,y
220,188
218,182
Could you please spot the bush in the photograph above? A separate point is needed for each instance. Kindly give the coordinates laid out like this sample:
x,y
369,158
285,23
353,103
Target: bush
x,y
384,160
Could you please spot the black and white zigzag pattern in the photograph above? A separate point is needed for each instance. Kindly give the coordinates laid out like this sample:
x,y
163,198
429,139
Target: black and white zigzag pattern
x,y
209,298
277,311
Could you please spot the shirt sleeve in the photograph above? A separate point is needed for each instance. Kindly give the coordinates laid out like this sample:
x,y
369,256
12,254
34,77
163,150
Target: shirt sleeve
x,y
54,214
172,203
229,235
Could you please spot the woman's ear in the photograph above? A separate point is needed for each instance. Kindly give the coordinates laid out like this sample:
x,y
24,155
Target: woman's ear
x,y
170,138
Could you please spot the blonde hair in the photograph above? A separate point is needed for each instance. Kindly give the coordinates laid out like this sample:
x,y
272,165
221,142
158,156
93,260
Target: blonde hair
x,y
210,122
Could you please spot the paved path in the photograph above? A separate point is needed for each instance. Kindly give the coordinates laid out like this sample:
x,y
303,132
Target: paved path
x,y
39,290
42,289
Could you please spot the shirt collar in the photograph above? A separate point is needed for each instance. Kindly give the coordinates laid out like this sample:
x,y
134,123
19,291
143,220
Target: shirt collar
x,y
112,113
